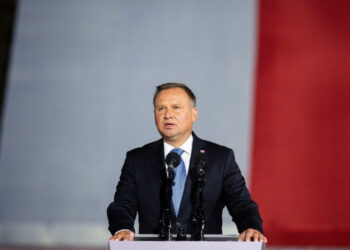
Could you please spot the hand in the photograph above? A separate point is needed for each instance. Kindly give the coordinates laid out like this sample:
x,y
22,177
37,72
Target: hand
x,y
252,234
125,235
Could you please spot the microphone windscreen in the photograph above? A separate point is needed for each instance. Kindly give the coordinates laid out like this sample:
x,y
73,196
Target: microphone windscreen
x,y
173,158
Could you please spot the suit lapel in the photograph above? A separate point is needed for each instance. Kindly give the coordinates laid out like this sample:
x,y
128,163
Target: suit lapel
x,y
156,155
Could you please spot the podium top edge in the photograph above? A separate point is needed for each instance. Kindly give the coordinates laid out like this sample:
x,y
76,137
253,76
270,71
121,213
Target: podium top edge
x,y
207,237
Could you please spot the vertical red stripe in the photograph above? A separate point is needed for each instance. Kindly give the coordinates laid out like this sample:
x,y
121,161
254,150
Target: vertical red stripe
x,y
301,154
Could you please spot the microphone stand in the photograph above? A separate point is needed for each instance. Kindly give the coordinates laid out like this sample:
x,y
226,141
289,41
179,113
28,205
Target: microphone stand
x,y
198,217
167,219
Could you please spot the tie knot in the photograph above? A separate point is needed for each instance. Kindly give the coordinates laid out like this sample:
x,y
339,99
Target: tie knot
x,y
179,151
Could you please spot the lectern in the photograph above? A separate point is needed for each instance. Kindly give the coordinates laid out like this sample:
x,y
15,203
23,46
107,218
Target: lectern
x,y
212,242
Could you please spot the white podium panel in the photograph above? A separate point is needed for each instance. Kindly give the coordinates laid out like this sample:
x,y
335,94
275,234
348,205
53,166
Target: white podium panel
x,y
211,244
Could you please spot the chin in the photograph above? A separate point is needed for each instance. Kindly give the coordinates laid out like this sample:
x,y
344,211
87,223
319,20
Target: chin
x,y
168,135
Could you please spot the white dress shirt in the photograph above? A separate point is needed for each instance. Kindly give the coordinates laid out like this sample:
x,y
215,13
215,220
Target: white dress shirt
x,y
186,155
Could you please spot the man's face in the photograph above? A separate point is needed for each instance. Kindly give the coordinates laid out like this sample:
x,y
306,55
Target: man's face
x,y
174,114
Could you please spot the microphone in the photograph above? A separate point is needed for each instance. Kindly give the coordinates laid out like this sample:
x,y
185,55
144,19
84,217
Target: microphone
x,y
167,219
172,160
198,216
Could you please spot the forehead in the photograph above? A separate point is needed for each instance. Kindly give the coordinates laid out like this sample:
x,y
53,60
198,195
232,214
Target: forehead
x,y
172,95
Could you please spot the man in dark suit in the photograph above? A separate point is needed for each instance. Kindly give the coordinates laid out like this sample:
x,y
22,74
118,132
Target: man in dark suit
x,y
142,181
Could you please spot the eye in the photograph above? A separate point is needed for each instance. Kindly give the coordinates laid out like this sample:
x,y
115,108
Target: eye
x,y
160,109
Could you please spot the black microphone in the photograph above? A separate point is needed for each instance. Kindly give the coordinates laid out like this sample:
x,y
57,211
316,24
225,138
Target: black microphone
x,y
198,221
172,160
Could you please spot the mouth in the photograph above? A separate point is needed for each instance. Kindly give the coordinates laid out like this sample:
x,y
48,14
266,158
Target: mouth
x,y
168,125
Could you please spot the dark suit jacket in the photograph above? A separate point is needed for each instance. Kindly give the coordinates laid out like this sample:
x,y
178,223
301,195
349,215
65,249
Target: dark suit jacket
x,y
142,186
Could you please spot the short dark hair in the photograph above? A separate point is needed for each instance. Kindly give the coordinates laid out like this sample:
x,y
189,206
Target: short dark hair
x,y
171,85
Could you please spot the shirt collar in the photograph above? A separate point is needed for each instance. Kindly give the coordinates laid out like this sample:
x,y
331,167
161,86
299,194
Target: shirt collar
x,y
187,146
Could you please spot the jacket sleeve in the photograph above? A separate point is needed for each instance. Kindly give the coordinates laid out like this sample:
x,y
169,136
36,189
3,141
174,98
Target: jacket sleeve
x,y
242,208
122,211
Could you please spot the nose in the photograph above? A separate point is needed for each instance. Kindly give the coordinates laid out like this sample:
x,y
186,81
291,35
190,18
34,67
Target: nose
x,y
168,114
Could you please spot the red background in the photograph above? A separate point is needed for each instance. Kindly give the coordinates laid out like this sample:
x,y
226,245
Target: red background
x,y
301,153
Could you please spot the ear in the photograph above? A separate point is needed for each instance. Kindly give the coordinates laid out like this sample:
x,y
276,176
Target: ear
x,y
194,114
